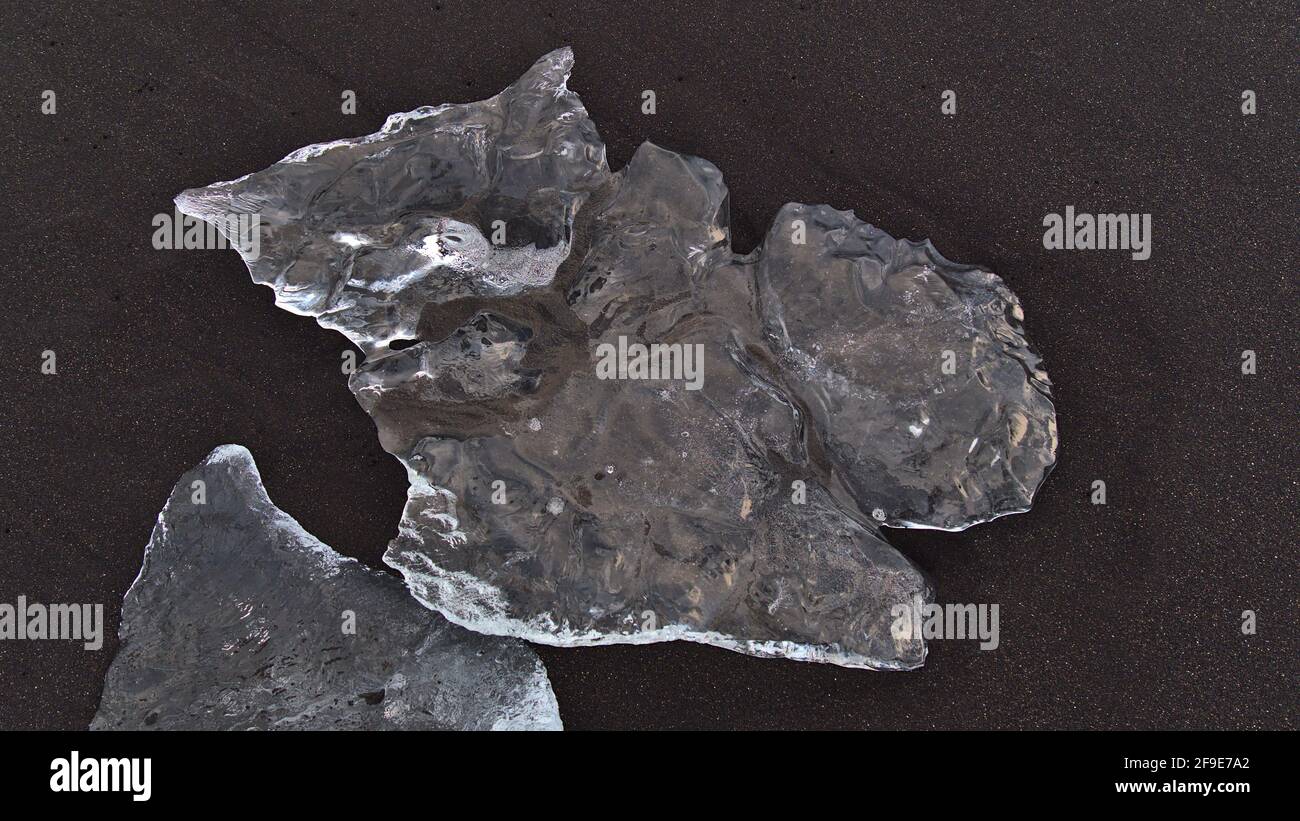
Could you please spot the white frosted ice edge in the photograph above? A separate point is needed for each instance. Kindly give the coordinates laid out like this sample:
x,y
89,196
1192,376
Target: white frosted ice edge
x,y
476,605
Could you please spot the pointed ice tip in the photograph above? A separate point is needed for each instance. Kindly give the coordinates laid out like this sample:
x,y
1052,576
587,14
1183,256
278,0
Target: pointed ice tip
x,y
648,149
551,69
232,455
186,199
205,203
562,56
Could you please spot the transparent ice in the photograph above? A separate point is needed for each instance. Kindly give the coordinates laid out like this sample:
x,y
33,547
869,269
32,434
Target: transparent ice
x,y
240,620
851,380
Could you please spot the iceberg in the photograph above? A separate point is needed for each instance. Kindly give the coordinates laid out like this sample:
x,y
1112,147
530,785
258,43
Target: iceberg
x,y
617,429
241,620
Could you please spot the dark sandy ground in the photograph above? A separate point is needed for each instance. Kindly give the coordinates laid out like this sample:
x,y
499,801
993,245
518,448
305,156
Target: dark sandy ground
x,y
1119,616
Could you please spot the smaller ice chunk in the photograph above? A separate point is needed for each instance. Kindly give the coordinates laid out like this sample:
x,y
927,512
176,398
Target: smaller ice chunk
x,y
240,620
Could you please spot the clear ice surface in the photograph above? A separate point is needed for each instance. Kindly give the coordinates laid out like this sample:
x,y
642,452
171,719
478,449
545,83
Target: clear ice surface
x,y
238,620
850,381
363,234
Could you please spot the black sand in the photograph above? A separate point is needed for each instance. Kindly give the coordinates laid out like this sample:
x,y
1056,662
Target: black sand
x,y
1122,616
